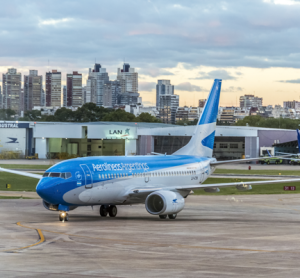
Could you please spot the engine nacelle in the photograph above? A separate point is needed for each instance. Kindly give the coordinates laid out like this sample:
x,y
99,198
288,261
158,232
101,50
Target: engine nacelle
x,y
52,207
164,202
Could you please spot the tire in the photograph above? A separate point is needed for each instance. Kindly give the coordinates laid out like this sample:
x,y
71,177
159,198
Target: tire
x,y
113,211
163,216
172,216
60,218
103,211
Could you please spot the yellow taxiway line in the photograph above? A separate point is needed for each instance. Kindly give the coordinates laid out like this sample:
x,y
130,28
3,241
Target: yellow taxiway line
x,y
41,236
42,239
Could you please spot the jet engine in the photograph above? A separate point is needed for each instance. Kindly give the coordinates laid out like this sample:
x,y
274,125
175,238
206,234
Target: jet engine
x,y
164,202
52,207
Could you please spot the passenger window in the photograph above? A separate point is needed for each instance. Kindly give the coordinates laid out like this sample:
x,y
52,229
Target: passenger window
x,y
102,176
109,175
105,176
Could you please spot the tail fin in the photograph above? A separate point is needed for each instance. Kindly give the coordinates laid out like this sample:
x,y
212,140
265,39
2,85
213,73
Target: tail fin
x,y
269,153
298,137
202,141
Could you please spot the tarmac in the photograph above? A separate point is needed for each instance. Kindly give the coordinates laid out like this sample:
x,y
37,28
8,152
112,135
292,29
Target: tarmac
x,y
214,236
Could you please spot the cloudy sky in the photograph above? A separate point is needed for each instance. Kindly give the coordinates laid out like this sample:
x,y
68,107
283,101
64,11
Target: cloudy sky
x,y
253,45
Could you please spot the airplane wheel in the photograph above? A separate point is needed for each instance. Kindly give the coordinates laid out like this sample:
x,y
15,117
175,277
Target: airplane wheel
x,y
172,216
163,216
113,211
103,211
63,216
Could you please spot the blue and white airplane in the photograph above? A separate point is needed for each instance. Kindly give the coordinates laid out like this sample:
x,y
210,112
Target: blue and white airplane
x,y
161,182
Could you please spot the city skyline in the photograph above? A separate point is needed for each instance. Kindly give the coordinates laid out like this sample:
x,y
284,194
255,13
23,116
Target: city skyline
x,y
251,45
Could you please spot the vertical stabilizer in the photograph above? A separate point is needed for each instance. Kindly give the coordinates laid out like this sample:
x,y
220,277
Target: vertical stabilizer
x,y
202,141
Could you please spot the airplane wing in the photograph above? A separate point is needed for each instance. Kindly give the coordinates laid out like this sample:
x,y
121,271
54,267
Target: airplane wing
x,y
235,160
26,174
202,186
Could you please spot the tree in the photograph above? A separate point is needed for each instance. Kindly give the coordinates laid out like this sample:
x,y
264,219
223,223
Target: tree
x,y
33,115
147,118
119,116
259,121
7,114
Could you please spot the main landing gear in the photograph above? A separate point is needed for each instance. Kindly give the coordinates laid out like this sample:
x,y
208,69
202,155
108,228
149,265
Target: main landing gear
x,y
171,216
63,216
111,210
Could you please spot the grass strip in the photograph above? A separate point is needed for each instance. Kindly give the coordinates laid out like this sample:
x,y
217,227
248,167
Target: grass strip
x,y
256,189
25,166
259,172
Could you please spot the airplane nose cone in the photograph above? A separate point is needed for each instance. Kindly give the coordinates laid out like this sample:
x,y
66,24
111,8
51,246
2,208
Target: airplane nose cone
x,y
45,189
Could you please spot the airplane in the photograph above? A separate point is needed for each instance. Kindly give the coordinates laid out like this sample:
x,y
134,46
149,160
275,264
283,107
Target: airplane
x,y
161,182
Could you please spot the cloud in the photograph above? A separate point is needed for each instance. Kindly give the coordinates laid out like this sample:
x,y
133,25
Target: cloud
x,y
147,86
157,33
187,86
294,81
232,89
215,74
54,21
154,72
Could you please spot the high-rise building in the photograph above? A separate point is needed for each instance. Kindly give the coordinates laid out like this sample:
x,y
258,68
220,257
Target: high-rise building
x,y
128,98
64,96
21,106
11,85
290,104
74,89
167,108
53,88
43,98
248,101
202,103
128,78
163,87
112,89
95,84
33,86
83,94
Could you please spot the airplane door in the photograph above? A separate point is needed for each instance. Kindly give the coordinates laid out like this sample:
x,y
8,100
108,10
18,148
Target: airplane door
x,y
87,175
201,173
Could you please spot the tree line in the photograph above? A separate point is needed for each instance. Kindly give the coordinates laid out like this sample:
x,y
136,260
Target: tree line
x,y
88,112
258,121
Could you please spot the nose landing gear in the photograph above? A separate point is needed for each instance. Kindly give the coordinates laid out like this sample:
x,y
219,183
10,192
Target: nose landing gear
x,y
111,210
63,216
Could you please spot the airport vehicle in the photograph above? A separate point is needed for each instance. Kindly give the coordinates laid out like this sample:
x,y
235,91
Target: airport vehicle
x,y
270,160
161,182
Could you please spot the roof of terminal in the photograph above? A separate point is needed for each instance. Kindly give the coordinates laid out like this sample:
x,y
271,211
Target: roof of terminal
x,y
142,125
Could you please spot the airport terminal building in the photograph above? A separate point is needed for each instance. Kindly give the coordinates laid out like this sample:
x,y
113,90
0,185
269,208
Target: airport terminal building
x,y
54,140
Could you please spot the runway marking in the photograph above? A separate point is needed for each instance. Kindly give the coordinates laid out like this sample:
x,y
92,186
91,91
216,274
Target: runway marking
x,y
41,236
155,244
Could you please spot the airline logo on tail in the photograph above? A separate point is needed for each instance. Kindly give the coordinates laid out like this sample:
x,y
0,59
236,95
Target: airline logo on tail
x,y
202,141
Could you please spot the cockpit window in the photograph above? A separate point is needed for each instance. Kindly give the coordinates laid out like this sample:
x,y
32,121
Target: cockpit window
x,y
54,175
58,175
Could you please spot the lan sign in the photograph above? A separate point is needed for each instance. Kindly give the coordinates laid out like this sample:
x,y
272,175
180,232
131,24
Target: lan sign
x,y
120,132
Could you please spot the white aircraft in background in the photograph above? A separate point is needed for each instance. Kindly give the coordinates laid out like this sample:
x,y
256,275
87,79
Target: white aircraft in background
x,y
161,182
